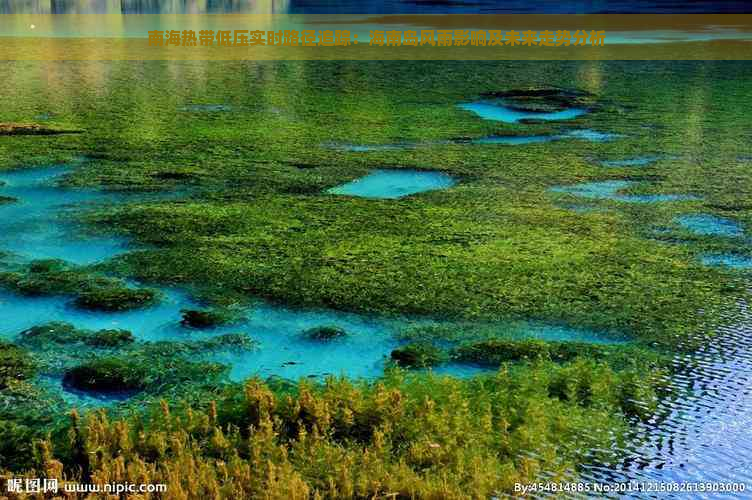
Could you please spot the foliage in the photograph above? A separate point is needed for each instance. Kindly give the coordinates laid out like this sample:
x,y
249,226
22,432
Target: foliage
x,y
65,333
326,332
209,318
15,364
92,291
418,355
115,298
416,437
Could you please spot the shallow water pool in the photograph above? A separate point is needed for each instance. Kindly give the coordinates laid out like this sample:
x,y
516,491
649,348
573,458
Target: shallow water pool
x,y
282,350
586,134
37,225
394,184
610,190
642,161
733,261
710,225
497,111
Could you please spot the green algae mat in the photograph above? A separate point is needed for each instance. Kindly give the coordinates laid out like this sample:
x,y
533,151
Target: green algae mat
x,y
247,158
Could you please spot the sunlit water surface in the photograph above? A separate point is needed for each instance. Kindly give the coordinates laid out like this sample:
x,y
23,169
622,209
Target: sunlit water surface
x,y
40,225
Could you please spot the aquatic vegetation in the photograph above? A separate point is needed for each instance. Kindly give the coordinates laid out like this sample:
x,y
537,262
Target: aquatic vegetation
x,y
421,433
206,318
515,140
326,332
116,298
34,129
495,352
610,190
365,148
630,162
110,338
240,341
207,108
394,184
15,364
418,355
107,375
92,290
495,248
592,135
545,99
45,277
513,106
497,111
710,225
65,333
153,368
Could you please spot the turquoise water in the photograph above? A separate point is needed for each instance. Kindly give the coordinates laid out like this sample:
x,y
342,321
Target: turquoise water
x,y
609,190
592,135
41,215
710,225
515,140
581,209
38,225
728,260
207,108
81,399
520,140
496,111
643,161
394,184
594,190
364,148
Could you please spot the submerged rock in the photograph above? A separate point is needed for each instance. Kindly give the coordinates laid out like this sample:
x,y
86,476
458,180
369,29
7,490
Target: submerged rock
x,y
34,129
326,332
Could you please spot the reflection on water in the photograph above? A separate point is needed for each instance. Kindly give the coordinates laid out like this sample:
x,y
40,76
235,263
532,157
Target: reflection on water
x,y
144,6
706,433
369,6
140,103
